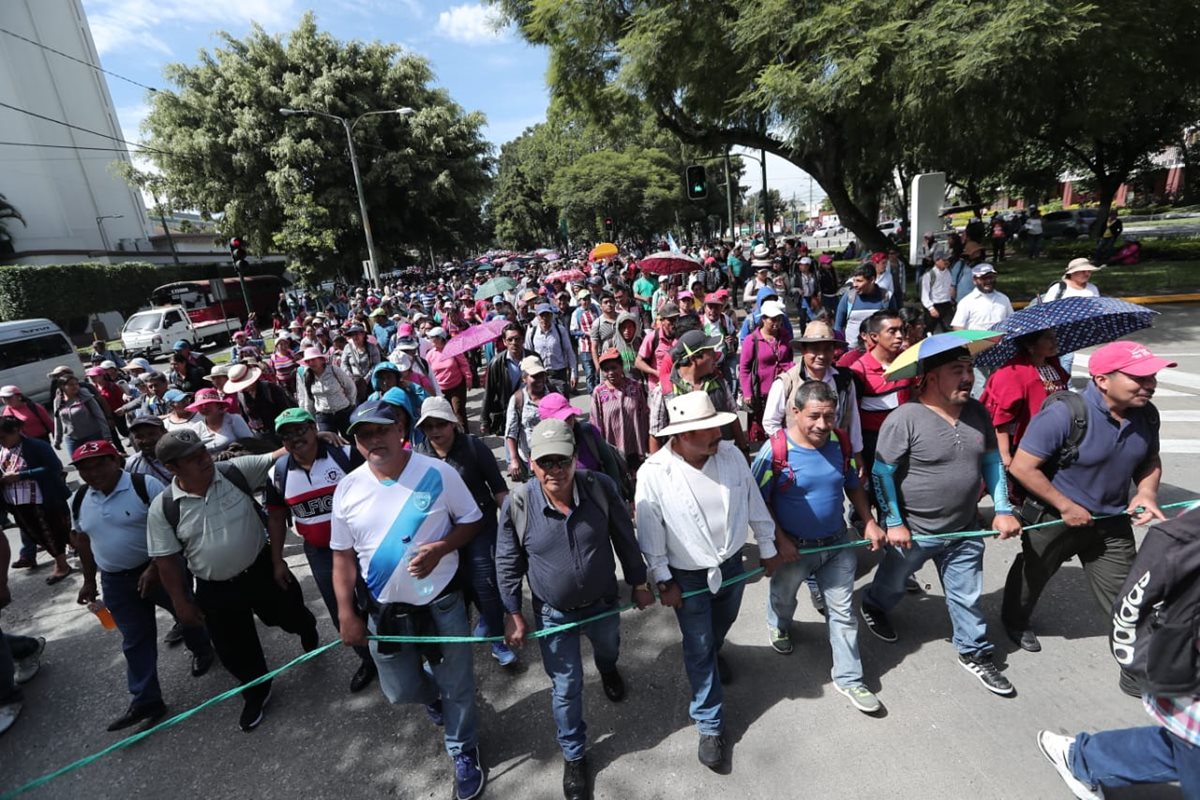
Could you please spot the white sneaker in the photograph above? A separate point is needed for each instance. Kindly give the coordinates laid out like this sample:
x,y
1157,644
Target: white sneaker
x,y
8,714
28,666
1056,748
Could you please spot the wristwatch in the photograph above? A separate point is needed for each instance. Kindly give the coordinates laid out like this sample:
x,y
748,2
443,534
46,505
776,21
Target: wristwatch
x,y
645,587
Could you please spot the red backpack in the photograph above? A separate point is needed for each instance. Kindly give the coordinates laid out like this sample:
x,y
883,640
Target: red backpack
x,y
779,460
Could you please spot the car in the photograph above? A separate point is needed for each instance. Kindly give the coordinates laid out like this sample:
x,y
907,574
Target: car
x,y
29,350
893,230
1069,224
823,233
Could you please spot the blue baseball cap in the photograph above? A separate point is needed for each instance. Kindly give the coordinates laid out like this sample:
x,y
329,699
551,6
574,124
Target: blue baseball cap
x,y
175,395
544,308
182,344
373,411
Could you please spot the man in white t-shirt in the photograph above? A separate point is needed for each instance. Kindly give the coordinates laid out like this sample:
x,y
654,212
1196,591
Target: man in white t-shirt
x,y
982,308
396,504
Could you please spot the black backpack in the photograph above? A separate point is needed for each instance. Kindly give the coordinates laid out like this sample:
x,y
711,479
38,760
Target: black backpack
x,y
139,486
590,489
170,505
1156,616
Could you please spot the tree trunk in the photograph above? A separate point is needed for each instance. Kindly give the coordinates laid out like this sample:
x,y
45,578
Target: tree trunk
x,y
1189,194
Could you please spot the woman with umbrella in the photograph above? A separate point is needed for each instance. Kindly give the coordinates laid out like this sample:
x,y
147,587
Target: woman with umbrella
x,y
1076,282
1015,391
452,372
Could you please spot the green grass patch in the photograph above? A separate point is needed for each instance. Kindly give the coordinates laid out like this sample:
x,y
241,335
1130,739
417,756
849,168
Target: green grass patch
x,y
1021,278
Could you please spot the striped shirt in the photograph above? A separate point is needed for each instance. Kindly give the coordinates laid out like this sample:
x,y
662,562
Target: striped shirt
x,y
23,492
622,413
877,396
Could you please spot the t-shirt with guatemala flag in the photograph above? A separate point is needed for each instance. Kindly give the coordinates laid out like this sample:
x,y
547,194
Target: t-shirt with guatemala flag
x,y
372,517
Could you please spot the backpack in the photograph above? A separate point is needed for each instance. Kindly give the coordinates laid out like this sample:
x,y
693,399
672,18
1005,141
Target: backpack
x,y
590,489
139,486
1038,299
611,460
282,465
779,457
170,505
1156,616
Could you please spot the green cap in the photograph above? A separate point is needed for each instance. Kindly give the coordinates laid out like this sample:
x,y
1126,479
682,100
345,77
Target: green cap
x,y
293,416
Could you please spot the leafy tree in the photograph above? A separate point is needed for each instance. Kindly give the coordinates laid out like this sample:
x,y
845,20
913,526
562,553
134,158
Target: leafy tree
x,y
8,212
753,208
636,187
222,146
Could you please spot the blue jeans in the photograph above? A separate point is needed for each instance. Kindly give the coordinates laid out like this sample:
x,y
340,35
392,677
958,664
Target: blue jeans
x,y
71,443
481,564
834,573
590,371
320,562
704,620
404,678
564,664
960,567
134,616
1136,755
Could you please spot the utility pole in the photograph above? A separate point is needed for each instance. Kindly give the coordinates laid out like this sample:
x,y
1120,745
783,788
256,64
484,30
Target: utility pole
x,y
729,195
766,198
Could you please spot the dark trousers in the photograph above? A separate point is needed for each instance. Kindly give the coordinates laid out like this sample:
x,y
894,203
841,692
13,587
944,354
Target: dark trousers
x,y
480,561
230,607
134,616
1105,547
335,421
940,323
457,395
320,561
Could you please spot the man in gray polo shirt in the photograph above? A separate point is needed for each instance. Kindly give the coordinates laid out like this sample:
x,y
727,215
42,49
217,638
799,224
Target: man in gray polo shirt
x,y
932,456
222,535
566,549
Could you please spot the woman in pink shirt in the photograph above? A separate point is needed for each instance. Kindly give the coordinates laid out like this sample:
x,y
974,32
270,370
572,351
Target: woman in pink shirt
x,y
452,373
764,357
38,424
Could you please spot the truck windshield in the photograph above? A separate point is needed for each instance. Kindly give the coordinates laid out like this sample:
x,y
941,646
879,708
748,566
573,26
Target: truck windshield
x,y
144,322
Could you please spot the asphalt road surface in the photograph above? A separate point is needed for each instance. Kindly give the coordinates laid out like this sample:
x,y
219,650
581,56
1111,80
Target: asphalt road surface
x,y
941,735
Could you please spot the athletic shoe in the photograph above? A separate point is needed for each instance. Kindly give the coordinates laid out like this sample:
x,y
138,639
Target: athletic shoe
x,y
28,666
711,751
877,622
1057,748
253,712
9,711
982,666
469,777
503,654
861,698
780,640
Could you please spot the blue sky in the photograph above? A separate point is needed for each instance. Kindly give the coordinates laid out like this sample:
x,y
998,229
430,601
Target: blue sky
x,y
484,67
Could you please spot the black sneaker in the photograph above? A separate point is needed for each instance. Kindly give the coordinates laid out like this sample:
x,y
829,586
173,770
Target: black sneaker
x,y
135,714
614,685
1129,684
363,676
711,751
253,711
877,622
982,666
174,636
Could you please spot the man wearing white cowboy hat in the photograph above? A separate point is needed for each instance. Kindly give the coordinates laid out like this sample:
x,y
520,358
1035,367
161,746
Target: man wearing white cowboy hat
x,y
696,499
259,401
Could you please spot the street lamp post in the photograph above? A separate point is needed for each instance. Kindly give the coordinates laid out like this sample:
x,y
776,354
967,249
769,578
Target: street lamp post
x,y
348,126
103,233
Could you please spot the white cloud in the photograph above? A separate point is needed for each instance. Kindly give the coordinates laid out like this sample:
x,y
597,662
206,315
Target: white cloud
x,y
471,24
119,24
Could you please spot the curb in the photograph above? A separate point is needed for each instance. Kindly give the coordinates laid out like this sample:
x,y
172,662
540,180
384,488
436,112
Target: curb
x,y
1147,300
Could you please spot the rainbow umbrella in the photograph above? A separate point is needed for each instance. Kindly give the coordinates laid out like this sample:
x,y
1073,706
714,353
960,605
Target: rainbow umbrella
x,y
908,363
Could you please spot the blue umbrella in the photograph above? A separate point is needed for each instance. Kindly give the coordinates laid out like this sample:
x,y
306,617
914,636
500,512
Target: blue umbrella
x,y
1078,322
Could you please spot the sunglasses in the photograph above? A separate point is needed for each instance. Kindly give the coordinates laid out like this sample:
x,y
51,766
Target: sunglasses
x,y
554,463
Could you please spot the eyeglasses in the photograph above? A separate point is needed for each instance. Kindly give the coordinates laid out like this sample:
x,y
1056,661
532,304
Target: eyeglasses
x,y
554,463
294,432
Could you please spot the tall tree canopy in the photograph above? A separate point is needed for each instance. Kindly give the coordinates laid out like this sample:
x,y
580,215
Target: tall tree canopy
x,y
850,90
222,146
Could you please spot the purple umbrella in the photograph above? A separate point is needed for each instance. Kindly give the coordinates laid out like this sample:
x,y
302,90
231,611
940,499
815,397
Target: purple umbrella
x,y
475,336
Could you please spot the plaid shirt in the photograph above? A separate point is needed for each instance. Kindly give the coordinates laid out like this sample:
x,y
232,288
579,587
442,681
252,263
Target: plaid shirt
x,y
1179,715
23,492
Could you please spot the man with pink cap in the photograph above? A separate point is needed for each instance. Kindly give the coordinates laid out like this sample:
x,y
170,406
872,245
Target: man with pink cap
x,y
1084,482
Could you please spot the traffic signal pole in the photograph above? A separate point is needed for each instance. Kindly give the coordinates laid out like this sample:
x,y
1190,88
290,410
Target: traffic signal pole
x,y
729,195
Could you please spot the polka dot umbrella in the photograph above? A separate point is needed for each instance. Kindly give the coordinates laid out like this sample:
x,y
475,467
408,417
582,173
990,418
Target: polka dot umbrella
x,y
1078,322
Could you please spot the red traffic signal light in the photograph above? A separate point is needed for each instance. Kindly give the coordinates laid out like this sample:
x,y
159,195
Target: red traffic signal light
x,y
237,249
608,222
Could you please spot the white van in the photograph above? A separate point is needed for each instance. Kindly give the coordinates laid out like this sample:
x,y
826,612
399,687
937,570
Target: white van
x,y
29,350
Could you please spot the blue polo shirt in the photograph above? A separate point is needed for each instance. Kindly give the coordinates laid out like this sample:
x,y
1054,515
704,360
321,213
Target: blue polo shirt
x,y
1109,455
116,524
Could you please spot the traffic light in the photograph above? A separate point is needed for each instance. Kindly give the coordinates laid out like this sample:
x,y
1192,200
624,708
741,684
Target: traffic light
x,y
608,224
697,182
237,252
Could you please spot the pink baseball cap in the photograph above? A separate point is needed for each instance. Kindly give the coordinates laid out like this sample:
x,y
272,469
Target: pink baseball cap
x,y
556,406
1128,357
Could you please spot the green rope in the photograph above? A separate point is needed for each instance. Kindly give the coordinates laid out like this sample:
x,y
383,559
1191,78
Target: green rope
x,y
234,692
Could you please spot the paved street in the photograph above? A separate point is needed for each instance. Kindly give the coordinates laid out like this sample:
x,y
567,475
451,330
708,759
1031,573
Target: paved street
x,y
942,735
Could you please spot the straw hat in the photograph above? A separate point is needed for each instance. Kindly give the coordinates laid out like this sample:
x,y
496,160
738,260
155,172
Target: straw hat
x,y
694,411
241,376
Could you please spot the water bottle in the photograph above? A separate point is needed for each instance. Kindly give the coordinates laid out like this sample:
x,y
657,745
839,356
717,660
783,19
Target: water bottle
x,y
424,586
